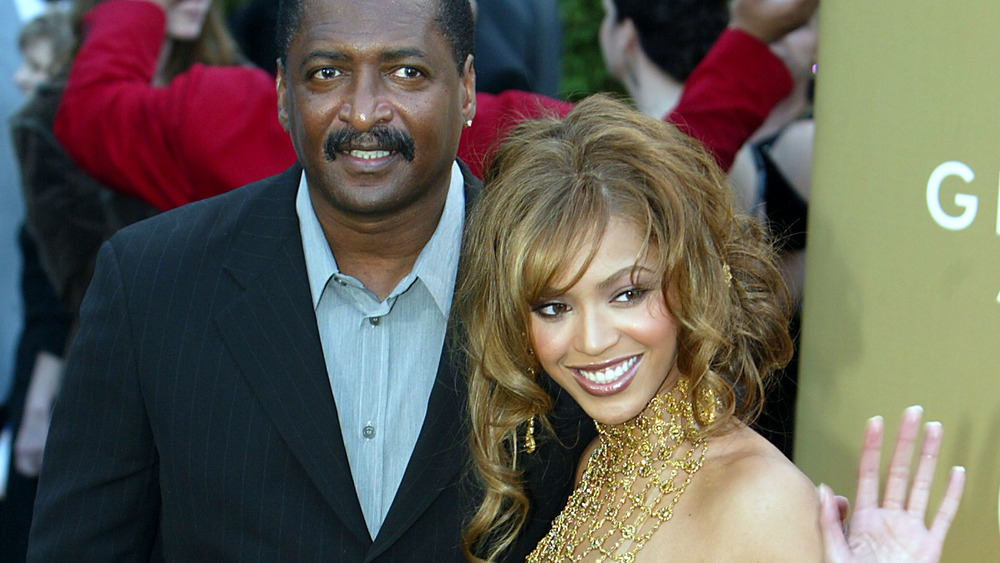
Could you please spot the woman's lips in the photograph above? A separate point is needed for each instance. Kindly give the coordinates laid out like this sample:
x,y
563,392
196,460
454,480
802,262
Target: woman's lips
x,y
607,379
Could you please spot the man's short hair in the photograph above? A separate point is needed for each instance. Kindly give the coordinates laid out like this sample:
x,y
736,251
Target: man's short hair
x,y
676,34
454,20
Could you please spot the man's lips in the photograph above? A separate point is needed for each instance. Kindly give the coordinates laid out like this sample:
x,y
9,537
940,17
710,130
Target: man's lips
x,y
368,154
365,161
369,145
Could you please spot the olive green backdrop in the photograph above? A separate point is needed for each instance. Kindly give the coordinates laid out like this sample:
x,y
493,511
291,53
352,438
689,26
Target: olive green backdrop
x,y
902,300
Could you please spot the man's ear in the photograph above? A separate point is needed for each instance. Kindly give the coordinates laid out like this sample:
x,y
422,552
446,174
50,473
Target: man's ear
x,y
469,90
282,89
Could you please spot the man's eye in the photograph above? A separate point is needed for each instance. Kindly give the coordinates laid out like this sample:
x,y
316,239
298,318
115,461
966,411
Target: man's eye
x,y
550,310
407,72
327,73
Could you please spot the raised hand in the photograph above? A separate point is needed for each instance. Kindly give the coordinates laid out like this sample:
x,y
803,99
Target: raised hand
x,y
895,531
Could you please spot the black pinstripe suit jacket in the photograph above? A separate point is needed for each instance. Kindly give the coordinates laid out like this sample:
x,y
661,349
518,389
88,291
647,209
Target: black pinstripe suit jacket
x,y
196,421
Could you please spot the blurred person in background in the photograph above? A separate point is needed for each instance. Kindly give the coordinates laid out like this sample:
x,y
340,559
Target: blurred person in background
x,y
252,24
194,139
69,212
13,14
518,46
45,43
69,215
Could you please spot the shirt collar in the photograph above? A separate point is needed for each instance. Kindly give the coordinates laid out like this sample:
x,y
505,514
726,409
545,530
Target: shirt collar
x,y
436,265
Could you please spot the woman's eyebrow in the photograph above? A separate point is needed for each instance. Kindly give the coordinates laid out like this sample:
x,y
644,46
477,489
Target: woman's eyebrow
x,y
615,278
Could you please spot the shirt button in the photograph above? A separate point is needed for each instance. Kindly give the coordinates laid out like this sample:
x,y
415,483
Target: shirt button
x,y
374,320
368,432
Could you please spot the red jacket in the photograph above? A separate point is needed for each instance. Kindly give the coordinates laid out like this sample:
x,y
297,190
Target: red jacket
x,y
214,128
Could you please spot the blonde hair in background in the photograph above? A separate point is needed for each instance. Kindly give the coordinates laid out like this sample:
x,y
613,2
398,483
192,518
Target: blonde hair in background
x,y
548,194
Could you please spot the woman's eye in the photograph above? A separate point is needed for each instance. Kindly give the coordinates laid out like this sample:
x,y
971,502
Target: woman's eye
x,y
631,295
550,310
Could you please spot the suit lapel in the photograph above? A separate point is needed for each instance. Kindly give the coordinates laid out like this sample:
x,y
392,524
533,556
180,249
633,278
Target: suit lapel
x,y
270,327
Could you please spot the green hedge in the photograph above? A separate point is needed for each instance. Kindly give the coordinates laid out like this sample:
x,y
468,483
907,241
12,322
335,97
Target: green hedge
x,y
583,68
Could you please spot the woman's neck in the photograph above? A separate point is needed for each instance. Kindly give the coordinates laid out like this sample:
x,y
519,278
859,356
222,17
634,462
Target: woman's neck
x,y
657,432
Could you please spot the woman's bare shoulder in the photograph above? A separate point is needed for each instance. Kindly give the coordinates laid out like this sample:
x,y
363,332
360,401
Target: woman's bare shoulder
x,y
759,504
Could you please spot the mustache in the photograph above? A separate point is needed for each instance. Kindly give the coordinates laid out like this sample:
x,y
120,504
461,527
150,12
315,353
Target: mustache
x,y
378,138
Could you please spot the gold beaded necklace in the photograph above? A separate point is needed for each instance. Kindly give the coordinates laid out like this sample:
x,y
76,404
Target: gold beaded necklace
x,y
620,502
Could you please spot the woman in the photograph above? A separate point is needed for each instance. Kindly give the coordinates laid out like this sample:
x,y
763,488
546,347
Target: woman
x,y
606,253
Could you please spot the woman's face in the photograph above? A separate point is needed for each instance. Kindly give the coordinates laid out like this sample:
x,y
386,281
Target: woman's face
x,y
186,18
609,340
37,58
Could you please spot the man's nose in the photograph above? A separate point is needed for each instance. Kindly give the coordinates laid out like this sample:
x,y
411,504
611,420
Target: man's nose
x,y
366,104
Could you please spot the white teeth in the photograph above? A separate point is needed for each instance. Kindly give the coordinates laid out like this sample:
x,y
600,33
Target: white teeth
x,y
610,374
368,155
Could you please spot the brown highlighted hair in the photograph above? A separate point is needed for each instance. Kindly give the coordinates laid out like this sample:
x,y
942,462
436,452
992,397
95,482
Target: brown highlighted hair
x,y
550,190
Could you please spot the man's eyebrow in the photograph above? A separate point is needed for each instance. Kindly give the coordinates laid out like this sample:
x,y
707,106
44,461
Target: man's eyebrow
x,y
326,55
402,53
386,56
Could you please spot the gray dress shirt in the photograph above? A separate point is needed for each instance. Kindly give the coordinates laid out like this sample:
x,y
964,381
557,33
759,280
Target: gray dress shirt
x,y
382,356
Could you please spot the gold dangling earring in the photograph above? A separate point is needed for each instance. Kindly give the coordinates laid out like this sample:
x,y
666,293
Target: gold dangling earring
x,y
707,404
529,436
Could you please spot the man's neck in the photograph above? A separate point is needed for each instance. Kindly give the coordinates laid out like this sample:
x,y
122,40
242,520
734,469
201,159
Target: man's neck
x,y
379,252
655,92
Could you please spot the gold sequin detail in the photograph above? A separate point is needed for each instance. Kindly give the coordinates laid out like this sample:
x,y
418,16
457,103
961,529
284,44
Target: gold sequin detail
x,y
632,483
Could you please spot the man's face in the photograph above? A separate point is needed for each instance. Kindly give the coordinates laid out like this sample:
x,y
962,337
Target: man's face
x,y
372,99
